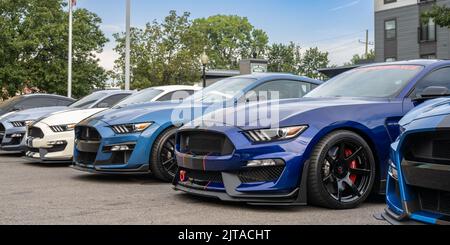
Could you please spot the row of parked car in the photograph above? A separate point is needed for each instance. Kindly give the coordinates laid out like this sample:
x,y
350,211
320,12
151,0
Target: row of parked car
x,y
330,144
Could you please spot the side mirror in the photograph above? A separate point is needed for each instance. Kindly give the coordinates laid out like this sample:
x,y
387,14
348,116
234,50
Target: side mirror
x,y
103,105
433,92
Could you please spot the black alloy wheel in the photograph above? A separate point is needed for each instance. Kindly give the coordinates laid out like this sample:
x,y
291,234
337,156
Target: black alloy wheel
x,y
163,162
342,171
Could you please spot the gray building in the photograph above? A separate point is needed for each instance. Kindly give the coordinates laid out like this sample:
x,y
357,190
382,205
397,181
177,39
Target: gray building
x,y
400,34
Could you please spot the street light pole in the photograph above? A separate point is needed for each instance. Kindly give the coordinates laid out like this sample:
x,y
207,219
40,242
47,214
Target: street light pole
x,y
205,60
69,67
204,75
127,46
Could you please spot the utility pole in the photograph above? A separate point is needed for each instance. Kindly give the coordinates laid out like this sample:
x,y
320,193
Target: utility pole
x,y
69,67
127,46
366,43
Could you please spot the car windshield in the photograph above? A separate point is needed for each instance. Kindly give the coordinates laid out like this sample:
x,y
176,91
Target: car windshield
x,y
384,81
143,96
222,90
87,101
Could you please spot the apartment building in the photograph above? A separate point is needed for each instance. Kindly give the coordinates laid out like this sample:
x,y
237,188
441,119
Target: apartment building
x,y
400,34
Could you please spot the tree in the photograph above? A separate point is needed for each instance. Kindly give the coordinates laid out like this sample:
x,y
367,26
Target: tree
x,y
361,59
284,58
313,59
440,14
229,38
162,53
34,44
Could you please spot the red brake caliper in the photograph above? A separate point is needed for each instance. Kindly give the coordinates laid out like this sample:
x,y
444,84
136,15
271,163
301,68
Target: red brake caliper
x,y
353,164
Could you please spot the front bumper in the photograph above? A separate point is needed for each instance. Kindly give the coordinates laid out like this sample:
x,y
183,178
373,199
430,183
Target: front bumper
x,y
93,157
42,149
229,179
12,142
418,192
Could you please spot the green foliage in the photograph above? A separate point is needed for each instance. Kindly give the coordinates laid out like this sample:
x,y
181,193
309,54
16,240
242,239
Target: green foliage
x,y
440,14
162,53
361,59
289,59
169,52
284,58
34,44
229,38
313,59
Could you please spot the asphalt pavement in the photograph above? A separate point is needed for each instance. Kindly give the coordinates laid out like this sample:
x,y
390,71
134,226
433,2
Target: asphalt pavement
x,y
49,194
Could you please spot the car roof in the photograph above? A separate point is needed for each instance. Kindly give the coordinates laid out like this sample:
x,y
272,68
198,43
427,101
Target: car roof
x,y
114,91
273,76
422,62
171,88
45,95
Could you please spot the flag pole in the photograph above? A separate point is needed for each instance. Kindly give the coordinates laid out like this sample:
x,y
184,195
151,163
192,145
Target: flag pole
x,y
69,79
127,46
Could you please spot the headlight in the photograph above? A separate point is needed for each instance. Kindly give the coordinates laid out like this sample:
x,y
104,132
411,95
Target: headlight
x,y
19,124
267,135
130,128
63,128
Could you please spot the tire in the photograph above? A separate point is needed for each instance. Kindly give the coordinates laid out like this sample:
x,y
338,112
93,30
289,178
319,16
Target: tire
x,y
341,173
160,166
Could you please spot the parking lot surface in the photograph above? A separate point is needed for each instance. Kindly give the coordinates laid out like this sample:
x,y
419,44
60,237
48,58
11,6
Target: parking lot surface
x,y
33,193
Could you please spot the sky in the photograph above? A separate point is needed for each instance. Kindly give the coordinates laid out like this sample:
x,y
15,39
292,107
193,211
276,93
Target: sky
x,y
335,26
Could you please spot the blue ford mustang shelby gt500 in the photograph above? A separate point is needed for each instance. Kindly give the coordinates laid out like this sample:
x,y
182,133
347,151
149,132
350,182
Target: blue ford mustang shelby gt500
x,y
418,186
141,138
330,148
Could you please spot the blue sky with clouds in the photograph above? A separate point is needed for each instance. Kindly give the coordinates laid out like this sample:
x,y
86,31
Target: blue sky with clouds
x,y
332,25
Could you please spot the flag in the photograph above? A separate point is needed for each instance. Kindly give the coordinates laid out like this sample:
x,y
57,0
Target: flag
x,y
74,2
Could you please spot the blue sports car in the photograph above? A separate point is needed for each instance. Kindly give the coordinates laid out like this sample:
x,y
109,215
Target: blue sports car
x,y
418,187
330,148
141,138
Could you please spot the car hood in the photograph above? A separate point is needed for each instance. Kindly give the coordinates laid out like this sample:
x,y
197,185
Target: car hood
x,y
34,114
289,111
436,107
70,117
135,113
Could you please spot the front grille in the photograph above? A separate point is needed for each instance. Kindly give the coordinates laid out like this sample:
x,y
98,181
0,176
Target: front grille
x,y
35,133
2,132
18,124
204,177
265,174
87,133
429,147
434,201
87,143
86,157
204,143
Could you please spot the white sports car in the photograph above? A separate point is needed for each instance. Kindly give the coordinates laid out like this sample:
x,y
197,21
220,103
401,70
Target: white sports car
x,y
52,139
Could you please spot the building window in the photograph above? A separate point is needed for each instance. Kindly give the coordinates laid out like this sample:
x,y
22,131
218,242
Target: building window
x,y
391,59
429,56
390,29
427,31
389,1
